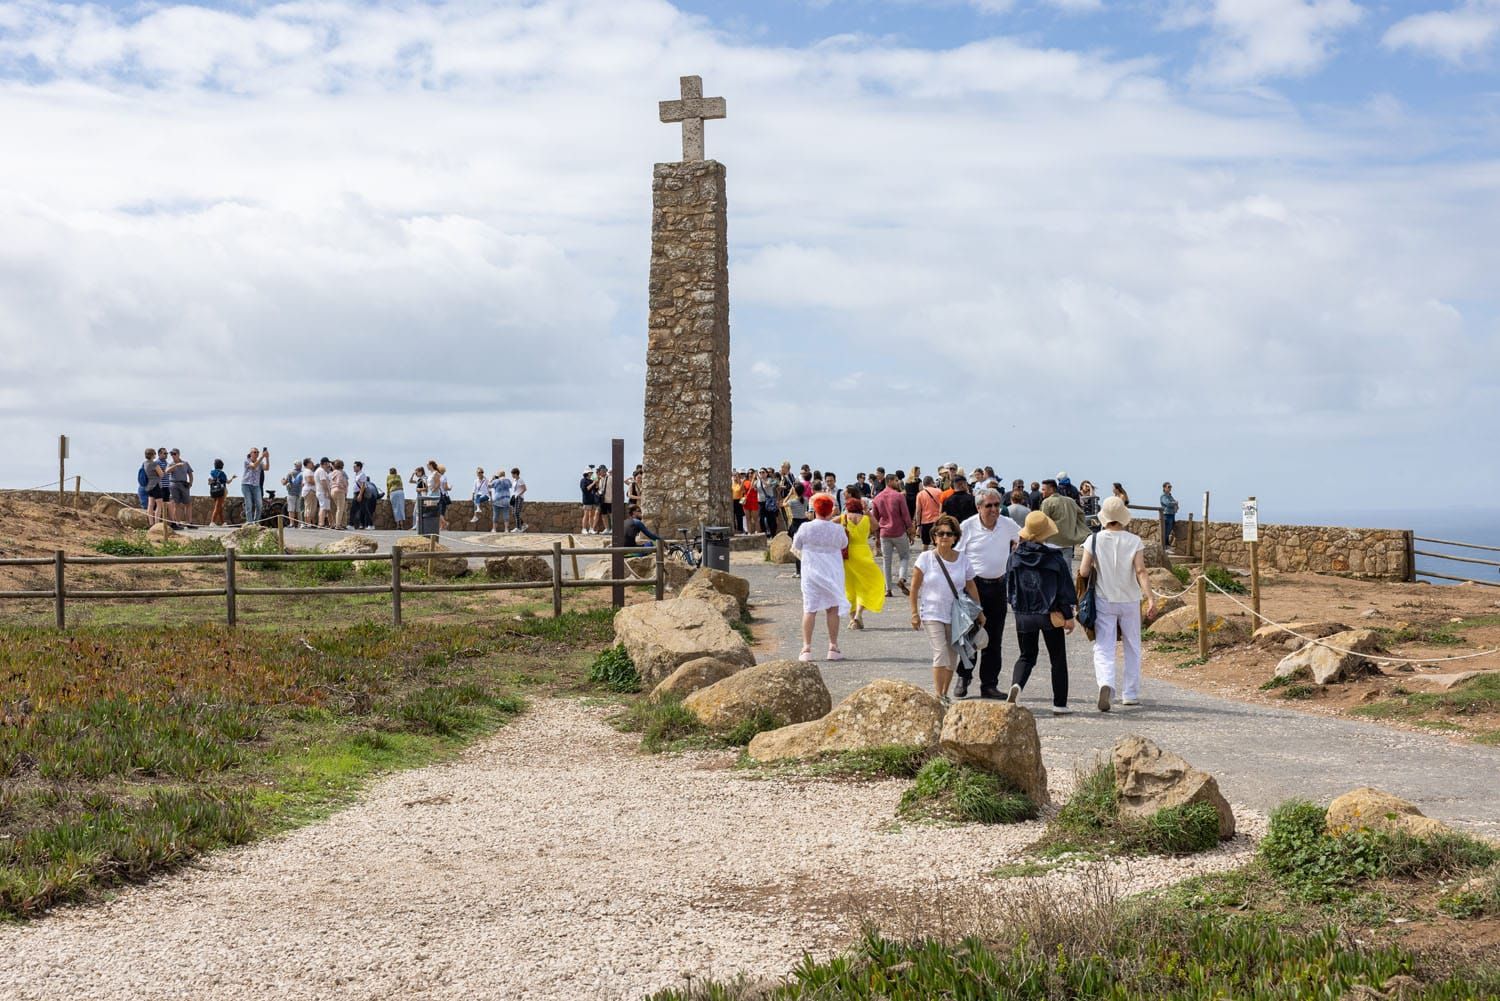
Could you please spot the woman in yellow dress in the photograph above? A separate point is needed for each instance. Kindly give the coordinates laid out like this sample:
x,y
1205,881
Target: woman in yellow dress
x,y
864,584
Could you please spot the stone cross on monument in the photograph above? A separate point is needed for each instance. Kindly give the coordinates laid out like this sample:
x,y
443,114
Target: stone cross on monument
x,y
687,426
691,110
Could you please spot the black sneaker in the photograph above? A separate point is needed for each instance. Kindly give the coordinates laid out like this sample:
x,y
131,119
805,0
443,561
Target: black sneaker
x,y
990,693
960,686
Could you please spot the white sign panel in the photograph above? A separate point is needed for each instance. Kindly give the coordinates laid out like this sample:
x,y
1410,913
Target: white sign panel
x,y
1251,521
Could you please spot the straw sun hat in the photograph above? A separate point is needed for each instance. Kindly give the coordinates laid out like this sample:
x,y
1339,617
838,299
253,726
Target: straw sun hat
x,y
1038,527
1114,510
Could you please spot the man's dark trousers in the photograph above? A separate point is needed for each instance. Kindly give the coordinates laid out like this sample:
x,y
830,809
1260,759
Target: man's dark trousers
x,y
992,603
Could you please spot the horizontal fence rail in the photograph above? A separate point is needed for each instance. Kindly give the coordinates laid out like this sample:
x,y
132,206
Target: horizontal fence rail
x,y
60,594
1453,557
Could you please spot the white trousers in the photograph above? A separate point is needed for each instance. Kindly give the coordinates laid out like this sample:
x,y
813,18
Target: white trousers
x,y
1122,620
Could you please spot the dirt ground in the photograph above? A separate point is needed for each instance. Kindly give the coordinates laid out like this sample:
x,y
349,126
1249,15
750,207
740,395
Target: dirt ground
x,y
1422,621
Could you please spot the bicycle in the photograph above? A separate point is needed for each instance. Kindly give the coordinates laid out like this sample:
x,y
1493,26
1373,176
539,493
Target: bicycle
x,y
687,549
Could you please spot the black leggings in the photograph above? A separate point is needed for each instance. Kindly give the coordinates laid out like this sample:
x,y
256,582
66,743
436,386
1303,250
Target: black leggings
x,y
791,530
1057,653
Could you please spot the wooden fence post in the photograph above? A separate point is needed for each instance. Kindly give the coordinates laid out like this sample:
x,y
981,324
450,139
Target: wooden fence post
x,y
1206,532
1255,578
77,492
229,583
573,558
1202,617
556,580
60,588
661,572
396,586
281,534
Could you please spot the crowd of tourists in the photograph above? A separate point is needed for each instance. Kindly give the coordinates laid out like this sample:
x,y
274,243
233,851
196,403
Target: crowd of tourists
x,y
325,493
984,553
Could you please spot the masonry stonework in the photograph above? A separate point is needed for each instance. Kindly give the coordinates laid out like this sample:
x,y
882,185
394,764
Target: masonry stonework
x,y
1373,553
687,427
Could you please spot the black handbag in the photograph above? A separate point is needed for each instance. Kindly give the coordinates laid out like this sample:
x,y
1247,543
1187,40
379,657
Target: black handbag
x,y
1088,601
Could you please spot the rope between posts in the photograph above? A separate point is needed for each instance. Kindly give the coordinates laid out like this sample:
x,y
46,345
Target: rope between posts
x,y
1355,653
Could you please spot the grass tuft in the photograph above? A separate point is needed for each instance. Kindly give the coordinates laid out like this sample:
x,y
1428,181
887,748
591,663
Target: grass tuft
x,y
614,669
943,790
662,723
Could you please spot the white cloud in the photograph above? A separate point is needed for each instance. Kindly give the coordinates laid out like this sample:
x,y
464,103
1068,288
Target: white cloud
x,y
1454,35
400,231
1252,40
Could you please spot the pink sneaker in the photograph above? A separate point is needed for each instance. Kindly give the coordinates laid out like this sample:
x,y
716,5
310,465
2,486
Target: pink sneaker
x,y
805,655
834,653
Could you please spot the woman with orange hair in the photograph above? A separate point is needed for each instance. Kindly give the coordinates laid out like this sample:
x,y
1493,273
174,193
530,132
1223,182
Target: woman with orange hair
x,y
820,545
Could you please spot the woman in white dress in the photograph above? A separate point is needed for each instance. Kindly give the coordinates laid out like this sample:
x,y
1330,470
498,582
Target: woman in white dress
x,y
1115,555
820,545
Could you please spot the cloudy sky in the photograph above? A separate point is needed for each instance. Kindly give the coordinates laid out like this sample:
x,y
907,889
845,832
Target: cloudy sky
x,y
1250,245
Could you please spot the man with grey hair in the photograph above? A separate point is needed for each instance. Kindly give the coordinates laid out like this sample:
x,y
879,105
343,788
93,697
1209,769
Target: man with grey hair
x,y
986,542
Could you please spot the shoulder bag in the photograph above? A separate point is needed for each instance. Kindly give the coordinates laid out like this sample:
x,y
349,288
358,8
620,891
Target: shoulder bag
x,y
964,631
1088,599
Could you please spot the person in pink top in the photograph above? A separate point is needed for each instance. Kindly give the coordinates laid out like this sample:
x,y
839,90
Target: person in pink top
x,y
894,539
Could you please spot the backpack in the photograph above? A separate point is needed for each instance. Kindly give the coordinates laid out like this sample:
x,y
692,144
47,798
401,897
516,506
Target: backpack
x,y
217,485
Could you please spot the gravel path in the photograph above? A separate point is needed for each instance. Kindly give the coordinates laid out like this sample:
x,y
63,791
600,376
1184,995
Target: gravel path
x,y
1261,755
548,862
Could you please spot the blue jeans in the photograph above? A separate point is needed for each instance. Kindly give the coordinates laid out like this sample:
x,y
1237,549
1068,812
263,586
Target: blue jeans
x,y
1168,526
252,495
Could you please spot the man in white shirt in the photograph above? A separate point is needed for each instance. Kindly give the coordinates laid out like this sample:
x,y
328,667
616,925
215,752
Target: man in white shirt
x,y
986,542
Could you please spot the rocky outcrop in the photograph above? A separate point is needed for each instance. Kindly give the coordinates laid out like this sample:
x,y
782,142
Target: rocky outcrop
x,y
418,552
1335,658
662,635
789,690
519,568
780,549
1274,636
1368,809
737,588
133,517
998,737
1149,779
881,713
694,675
1221,631
350,544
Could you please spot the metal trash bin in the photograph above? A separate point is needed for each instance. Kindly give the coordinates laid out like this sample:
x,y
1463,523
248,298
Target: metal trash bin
x,y
428,514
716,548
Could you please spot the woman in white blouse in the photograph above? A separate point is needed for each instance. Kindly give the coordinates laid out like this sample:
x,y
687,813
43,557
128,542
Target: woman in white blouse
x,y
1115,555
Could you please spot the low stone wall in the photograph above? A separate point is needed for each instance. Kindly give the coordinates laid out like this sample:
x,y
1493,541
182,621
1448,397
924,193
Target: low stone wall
x,y
1372,553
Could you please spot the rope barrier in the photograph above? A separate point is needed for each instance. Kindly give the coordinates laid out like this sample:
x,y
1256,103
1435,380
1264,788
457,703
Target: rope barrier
x,y
1356,653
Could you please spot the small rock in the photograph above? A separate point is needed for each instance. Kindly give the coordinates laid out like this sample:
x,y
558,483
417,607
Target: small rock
x,y
417,552
1375,810
790,690
661,635
1276,635
695,675
780,549
535,569
160,532
351,544
1443,682
1221,631
1326,665
1369,613
881,713
1150,779
133,517
998,737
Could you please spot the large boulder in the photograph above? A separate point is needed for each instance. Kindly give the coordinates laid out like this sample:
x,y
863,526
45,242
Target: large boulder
x,y
160,532
661,635
133,517
791,691
780,549
108,505
350,544
723,582
1331,659
701,590
1368,809
1163,581
694,675
1155,556
998,737
534,569
1221,631
417,552
1277,635
1150,779
882,712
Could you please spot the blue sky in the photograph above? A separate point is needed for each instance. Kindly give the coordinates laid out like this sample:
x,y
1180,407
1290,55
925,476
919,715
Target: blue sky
x,y
1247,245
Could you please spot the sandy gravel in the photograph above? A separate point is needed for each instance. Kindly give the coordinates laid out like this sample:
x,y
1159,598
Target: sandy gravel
x,y
549,862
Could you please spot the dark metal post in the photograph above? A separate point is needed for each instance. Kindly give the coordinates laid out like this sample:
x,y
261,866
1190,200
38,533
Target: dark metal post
x,y
617,522
60,589
557,580
396,586
661,574
229,583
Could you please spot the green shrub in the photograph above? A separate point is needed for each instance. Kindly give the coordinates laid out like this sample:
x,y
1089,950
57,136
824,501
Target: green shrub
x,y
1280,681
614,669
1181,830
454,712
945,791
896,761
1225,580
660,722
758,722
1478,897
1182,573
322,571
1090,821
1095,803
1299,691
125,547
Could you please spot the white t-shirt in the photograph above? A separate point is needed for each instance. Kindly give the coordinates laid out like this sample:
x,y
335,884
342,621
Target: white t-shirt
x,y
935,600
1114,555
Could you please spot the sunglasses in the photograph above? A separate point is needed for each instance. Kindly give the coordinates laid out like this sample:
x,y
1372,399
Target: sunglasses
x,y
945,535
989,505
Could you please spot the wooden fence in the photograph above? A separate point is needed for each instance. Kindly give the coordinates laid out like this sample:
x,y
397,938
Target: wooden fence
x,y
60,594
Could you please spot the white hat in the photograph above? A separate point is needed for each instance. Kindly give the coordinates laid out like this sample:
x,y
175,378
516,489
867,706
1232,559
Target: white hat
x,y
1062,476
1114,510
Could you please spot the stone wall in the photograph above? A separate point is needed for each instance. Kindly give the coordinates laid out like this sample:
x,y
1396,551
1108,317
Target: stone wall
x,y
687,420
1375,553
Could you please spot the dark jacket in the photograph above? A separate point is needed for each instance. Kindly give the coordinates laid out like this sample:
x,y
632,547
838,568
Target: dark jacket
x,y
961,506
1037,581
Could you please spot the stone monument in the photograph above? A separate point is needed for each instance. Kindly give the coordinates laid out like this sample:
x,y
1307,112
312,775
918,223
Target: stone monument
x,y
687,433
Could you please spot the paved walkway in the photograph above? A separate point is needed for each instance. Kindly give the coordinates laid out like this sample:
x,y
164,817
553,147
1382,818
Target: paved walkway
x,y
1260,754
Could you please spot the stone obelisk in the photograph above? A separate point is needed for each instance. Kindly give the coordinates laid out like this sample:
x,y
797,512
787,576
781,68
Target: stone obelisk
x,y
687,433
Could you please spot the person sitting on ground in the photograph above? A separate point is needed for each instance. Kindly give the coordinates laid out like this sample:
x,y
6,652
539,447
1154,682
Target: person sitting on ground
x,y
820,546
635,528
932,599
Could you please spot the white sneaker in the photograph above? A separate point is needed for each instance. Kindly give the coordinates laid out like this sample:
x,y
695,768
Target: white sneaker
x,y
1062,711
1130,702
